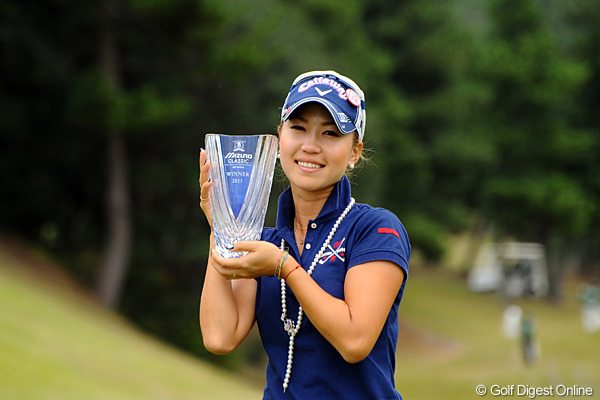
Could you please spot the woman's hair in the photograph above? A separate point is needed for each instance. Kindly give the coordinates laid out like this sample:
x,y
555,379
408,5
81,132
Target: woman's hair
x,y
365,157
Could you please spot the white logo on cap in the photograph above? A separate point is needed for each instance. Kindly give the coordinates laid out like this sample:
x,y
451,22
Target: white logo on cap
x,y
321,93
324,81
343,118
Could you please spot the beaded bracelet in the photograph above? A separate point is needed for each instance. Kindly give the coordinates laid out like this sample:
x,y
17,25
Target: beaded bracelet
x,y
278,262
289,273
278,270
281,265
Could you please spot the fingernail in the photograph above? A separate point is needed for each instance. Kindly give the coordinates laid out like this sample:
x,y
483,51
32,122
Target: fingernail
x,y
209,179
210,253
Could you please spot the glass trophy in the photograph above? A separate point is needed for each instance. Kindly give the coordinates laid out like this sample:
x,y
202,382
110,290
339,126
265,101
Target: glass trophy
x,y
241,169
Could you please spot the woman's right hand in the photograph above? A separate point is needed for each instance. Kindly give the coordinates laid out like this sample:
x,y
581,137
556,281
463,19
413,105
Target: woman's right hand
x,y
205,185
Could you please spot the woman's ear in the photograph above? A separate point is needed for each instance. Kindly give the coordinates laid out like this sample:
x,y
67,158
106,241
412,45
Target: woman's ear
x,y
356,152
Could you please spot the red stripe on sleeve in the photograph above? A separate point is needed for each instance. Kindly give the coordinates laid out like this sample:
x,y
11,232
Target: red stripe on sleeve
x,y
388,230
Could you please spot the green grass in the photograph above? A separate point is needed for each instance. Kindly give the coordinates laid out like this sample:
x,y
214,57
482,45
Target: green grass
x,y
453,342
56,343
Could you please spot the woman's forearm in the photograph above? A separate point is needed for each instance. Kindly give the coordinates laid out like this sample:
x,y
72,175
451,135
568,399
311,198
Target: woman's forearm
x,y
351,325
225,306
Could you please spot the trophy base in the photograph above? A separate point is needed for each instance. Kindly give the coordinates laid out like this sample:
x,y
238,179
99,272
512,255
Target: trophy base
x,y
225,251
225,242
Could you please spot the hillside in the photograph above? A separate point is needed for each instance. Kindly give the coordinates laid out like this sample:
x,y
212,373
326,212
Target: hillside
x,y
58,343
451,341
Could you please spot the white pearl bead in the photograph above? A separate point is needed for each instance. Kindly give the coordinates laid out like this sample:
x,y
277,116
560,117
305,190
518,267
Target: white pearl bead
x,y
300,311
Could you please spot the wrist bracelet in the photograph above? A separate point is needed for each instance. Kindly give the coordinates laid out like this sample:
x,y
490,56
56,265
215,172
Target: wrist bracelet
x,y
279,262
285,256
289,273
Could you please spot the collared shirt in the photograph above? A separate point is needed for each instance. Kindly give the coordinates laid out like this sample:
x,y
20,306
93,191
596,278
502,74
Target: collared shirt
x,y
319,371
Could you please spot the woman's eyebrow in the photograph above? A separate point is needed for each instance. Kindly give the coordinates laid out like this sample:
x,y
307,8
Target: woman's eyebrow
x,y
332,122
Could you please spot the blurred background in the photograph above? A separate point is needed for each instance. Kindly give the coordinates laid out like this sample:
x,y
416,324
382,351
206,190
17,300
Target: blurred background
x,y
484,126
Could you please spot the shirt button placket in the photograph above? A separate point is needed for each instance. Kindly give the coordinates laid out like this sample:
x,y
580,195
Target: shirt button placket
x,y
313,225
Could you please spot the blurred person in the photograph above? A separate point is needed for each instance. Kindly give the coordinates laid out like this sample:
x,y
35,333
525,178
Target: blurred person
x,y
511,321
589,295
324,284
530,346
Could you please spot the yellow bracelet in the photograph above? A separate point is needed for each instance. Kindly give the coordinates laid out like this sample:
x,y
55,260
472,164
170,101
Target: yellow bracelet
x,y
285,256
278,262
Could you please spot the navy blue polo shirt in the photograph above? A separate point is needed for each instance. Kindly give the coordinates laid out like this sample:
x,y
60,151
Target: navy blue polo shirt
x,y
319,371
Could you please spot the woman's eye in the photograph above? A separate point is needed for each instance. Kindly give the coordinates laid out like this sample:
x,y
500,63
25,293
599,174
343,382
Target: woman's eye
x,y
297,127
331,133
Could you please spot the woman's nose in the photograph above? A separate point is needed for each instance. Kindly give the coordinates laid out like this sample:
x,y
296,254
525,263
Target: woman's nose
x,y
311,143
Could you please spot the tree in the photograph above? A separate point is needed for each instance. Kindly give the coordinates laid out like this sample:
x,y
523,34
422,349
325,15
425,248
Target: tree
x,y
118,208
430,155
581,20
533,193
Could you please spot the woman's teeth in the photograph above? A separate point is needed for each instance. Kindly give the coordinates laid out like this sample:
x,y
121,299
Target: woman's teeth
x,y
309,165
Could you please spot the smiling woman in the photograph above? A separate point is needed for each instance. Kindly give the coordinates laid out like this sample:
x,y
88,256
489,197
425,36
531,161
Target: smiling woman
x,y
314,154
339,268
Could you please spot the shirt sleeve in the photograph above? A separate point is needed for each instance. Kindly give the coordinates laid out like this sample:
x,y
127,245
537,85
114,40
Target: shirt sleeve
x,y
380,236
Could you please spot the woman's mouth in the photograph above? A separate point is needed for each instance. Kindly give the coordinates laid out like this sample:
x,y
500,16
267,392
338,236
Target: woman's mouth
x,y
310,165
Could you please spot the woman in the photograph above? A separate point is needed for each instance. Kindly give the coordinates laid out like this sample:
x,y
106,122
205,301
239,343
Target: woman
x,y
325,284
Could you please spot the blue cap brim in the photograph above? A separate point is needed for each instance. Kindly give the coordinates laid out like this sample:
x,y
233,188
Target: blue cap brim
x,y
340,95
341,119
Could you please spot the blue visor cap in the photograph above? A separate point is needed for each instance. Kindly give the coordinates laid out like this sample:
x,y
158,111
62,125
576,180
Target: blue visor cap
x,y
339,94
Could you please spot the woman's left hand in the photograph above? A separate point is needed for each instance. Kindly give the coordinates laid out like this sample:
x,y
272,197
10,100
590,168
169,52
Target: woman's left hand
x,y
262,260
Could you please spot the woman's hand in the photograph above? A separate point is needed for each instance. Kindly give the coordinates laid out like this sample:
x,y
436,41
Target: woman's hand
x,y
262,260
205,185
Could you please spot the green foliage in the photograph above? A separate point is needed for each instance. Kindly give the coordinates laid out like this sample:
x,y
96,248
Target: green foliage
x,y
533,186
90,101
425,133
470,110
429,234
533,206
143,109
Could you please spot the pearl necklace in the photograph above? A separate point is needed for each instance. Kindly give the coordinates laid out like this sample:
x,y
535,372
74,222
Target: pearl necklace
x,y
290,327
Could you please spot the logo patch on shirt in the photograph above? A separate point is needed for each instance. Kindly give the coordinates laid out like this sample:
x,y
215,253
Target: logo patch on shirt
x,y
333,252
389,230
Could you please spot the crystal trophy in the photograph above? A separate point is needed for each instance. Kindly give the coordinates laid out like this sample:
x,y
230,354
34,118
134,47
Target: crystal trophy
x,y
241,169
